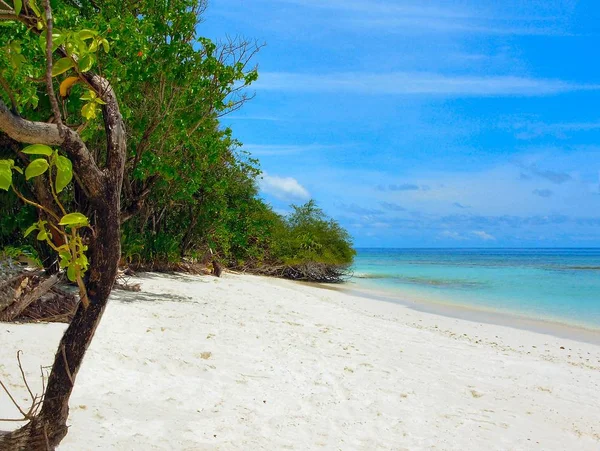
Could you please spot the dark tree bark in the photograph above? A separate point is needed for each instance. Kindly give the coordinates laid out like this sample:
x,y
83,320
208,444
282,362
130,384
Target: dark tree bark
x,y
186,241
217,269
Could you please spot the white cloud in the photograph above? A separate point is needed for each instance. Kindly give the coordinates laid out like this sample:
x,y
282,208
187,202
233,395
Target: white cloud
x,y
483,235
416,83
432,16
534,130
286,149
284,188
462,237
370,6
452,235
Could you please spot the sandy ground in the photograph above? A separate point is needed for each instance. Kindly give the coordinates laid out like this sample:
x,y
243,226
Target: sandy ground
x,y
248,363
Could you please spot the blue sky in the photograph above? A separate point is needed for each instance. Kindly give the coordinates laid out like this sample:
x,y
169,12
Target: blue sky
x,y
427,123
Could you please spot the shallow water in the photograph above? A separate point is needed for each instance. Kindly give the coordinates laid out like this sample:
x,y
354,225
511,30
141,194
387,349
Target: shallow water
x,y
561,285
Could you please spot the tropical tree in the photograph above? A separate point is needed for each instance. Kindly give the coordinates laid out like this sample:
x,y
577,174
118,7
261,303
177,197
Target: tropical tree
x,y
99,174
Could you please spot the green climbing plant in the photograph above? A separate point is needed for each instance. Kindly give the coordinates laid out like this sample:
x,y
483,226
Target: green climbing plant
x,y
60,232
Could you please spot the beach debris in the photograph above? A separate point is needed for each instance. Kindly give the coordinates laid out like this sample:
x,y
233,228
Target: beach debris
x,y
476,394
21,291
310,272
123,281
33,296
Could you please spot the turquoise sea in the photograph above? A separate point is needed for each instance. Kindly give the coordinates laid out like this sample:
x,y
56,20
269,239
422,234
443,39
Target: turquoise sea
x,y
559,285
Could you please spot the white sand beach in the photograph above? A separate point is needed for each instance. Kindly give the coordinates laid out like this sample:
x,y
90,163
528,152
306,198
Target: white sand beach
x,y
249,363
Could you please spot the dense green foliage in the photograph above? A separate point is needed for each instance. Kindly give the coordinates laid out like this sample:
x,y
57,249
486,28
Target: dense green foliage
x,y
308,235
189,191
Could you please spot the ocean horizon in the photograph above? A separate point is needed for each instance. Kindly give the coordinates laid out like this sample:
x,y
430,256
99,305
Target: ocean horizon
x,y
560,285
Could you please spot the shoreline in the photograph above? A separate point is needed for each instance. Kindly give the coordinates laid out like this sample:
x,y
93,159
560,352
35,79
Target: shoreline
x,y
556,328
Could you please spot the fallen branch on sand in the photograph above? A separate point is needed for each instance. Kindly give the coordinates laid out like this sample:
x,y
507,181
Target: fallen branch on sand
x,y
31,296
122,282
309,272
25,289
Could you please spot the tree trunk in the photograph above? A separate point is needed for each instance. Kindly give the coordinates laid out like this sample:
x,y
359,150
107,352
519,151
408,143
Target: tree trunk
x,y
186,241
103,190
49,427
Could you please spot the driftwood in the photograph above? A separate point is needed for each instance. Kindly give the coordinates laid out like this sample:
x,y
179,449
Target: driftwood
x,y
308,272
56,306
8,287
25,290
122,281
30,296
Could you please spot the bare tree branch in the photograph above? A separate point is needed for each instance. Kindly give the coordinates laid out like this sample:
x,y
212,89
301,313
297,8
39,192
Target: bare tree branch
x,y
49,86
31,132
11,15
26,131
11,96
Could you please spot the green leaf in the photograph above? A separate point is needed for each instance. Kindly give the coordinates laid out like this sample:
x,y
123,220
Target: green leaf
x,y
36,167
105,45
15,46
61,66
82,261
64,173
87,34
65,259
89,110
30,229
35,8
42,236
74,220
71,273
38,149
58,38
99,101
18,4
89,95
86,63
16,60
5,175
